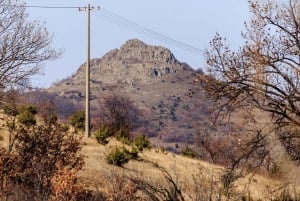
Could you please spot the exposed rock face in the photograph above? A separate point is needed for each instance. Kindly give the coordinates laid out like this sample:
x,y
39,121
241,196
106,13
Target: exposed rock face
x,y
134,63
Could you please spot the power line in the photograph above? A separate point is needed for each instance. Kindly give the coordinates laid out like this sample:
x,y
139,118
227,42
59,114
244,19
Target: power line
x,y
116,19
47,7
122,21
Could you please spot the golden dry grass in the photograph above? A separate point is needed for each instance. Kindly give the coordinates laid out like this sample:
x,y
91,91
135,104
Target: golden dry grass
x,y
188,173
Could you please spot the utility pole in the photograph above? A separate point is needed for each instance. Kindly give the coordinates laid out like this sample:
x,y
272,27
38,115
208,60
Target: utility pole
x,y
87,72
87,76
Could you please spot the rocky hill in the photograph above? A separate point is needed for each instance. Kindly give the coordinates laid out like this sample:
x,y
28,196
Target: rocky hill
x,y
133,64
158,84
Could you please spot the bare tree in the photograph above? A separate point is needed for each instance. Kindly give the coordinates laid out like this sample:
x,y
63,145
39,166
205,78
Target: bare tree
x,y
24,45
121,113
265,71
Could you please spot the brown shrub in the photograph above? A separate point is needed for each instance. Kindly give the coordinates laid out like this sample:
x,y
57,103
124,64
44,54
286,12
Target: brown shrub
x,y
42,160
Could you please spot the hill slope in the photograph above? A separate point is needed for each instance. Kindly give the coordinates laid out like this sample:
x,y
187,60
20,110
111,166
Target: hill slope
x,y
158,84
195,178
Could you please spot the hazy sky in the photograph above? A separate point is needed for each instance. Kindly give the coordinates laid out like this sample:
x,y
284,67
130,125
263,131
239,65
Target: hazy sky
x,y
193,22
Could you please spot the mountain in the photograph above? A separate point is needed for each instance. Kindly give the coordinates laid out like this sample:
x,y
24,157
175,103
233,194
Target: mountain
x,y
158,84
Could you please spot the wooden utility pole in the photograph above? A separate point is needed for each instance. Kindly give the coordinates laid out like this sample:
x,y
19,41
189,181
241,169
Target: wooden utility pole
x,y
87,72
87,77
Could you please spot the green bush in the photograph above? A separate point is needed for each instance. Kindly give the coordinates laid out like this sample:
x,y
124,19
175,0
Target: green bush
x,y
119,157
27,118
122,136
78,120
142,142
10,109
134,153
186,151
102,134
22,108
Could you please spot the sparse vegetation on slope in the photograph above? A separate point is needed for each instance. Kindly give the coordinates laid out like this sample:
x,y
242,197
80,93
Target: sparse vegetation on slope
x,y
42,159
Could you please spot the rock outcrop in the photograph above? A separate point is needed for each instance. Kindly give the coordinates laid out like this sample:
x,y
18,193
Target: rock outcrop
x,y
134,63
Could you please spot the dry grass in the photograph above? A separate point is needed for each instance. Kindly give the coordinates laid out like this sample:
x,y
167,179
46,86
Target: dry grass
x,y
190,174
194,177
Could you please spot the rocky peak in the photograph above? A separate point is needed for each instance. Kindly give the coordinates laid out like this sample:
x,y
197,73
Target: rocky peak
x,y
138,50
133,44
135,62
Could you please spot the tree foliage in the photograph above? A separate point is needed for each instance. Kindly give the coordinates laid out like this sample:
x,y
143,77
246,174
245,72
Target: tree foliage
x,y
264,72
24,45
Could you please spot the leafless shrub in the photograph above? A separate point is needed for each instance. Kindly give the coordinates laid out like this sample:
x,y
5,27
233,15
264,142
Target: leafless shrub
x,y
121,113
120,187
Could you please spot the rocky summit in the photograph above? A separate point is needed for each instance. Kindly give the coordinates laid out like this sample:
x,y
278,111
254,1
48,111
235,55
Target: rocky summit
x,y
134,63
160,86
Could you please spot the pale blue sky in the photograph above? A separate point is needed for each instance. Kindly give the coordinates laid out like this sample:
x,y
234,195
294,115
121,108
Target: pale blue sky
x,y
193,22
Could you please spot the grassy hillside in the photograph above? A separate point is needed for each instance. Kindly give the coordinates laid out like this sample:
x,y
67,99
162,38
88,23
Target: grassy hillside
x,y
158,173
193,177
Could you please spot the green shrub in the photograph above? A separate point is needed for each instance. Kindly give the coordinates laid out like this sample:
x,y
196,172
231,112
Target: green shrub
x,y
27,118
102,134
134,153
78,120
10,109
122,136
142,142
119,157
186,151
22,108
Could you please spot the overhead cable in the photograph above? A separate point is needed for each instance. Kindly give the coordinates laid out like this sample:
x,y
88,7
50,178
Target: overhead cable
x,y
116,19
119,20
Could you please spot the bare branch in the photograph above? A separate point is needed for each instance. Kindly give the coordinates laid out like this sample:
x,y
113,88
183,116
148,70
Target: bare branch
x,y
24,45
